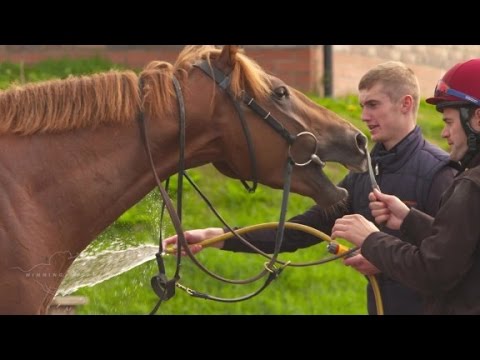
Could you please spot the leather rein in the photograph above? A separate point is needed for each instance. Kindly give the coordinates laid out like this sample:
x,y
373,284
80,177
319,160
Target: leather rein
x,y
164,287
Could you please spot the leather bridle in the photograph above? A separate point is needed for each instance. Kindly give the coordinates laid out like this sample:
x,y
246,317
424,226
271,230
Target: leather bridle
x,y
165,288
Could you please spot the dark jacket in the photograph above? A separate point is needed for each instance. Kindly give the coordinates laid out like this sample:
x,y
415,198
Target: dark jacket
x,y
414,170
442,260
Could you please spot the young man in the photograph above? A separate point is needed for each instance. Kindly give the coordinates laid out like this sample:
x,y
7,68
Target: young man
x,y
405,165
442,258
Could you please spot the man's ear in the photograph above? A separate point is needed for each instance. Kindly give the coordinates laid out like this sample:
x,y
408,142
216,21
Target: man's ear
x,y
476,120
407,103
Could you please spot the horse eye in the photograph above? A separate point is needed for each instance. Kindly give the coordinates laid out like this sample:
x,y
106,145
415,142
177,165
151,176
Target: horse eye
x,y
281,92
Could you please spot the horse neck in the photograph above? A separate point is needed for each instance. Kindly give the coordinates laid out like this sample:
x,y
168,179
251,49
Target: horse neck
x,y
70,187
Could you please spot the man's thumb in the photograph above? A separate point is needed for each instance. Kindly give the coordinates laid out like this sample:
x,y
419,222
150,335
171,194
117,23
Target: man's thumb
x,y
379,195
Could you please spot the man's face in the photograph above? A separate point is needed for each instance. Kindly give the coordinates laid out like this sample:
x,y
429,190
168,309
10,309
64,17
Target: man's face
x,y
454,134
385,120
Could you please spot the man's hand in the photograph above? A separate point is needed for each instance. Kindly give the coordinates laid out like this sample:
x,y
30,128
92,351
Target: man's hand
x,y
362,265
387,209
353,228
193,237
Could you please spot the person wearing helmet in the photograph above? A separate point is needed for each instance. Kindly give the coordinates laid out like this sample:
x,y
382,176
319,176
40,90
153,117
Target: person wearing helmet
x,y
441,259
405,164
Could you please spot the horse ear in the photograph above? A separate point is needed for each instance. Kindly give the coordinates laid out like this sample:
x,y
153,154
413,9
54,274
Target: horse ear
x,y
227,57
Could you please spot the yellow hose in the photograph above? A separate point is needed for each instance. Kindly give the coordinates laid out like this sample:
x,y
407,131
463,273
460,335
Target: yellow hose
x,y
376,293
270,225
300,227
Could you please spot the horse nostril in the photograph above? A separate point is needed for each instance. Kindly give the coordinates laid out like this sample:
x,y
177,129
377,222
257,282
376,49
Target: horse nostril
x,y
361,141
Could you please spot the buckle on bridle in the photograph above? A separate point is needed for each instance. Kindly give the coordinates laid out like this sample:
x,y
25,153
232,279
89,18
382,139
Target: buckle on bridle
x,y
163,287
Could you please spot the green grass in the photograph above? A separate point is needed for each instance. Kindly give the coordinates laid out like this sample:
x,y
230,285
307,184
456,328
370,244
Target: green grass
x,y
327,289
10,73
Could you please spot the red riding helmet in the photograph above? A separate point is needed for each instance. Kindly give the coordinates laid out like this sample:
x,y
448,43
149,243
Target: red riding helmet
x,y
460,85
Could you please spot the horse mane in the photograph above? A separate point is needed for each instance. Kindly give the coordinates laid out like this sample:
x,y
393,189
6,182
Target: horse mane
x,y
113,97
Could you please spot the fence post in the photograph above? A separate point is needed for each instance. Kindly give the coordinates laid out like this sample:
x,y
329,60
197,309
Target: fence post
x,y
328,70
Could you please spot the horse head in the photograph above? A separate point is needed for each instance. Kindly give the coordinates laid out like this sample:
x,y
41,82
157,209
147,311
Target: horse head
x,y
330,137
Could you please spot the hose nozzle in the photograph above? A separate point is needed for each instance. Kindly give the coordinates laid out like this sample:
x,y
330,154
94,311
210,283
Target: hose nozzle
x,y
336,248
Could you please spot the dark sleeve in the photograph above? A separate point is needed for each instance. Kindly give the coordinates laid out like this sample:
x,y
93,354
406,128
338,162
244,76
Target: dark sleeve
x,y
442,259
440,182
420,223
315,217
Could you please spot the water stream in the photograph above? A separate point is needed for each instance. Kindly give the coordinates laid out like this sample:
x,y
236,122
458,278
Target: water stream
x,y
89,270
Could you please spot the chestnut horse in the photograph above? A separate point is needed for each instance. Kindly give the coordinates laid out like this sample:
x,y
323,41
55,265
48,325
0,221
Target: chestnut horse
x,y
73,158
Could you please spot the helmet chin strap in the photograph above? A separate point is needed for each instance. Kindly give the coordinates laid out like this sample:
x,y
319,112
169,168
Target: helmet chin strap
x,y
473,137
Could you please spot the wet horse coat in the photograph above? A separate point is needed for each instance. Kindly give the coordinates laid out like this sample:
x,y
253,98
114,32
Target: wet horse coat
x,y
74,161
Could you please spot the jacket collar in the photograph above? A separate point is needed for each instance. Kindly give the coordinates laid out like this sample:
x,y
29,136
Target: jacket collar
x,y
393,159
474,162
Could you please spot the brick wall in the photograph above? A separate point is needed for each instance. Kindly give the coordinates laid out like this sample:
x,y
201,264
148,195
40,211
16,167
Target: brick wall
x,y
299,65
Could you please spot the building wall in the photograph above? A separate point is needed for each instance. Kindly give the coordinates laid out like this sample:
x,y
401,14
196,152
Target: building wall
x,y
295,64
439,56
429,62
298,65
